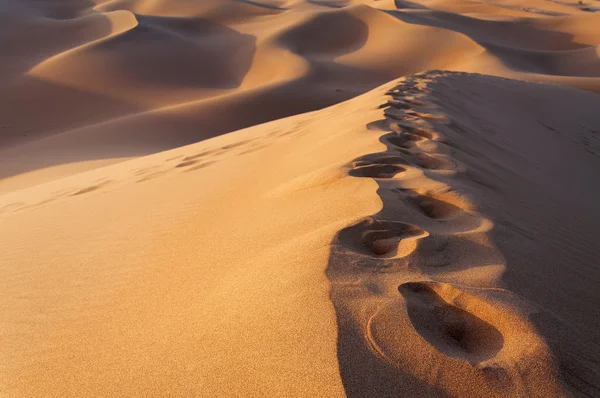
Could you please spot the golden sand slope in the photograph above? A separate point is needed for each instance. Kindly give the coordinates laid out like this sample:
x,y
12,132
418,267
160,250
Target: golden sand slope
x,y
107,80
450,219
434,236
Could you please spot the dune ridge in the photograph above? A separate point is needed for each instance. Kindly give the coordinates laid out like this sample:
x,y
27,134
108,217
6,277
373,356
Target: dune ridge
x,y
415,208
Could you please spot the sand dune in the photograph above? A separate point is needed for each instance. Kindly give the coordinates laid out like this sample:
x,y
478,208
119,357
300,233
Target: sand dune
x,y
132,65
369,198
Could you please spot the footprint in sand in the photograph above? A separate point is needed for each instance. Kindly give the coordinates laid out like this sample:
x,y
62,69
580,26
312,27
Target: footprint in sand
x,y
403,128
201,154
405,142
192,165
436,206
13,207
447,325
237,144
401,141
433,162
378,165
197,161
398,104
382,237
435,331
91,188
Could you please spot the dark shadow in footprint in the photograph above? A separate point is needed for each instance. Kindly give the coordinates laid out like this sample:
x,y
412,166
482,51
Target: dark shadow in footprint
x,y
377,165
186,163
395,104
400,105
201,165
420,132
378,237
434,208
379,158
430,162
237,144
376,171
91,188
400,140
201,154
450,329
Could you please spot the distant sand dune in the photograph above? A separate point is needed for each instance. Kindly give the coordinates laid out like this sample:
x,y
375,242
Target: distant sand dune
x,y
129,62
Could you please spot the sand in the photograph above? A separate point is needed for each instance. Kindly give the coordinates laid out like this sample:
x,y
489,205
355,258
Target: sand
x,y
299,198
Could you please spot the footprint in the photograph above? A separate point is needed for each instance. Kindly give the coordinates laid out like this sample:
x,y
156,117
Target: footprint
x,y
146,170
201,165
414,102
443,119
382,237
195,164
13,207
423,133
401,140
439,333
431,162
91,188
398,104
436,209
377,171
201,154
433,205
237,144
377,165
151,175
404,116
418,131
187,163
439,313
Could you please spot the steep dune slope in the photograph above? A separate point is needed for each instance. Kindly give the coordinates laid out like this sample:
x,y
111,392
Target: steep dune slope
x,y
432,237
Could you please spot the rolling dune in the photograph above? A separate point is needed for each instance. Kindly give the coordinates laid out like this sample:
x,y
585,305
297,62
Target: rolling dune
x,y
362,198
136,65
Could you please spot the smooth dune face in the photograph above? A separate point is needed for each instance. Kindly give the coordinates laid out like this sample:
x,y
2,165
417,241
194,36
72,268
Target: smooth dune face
x,y
299,198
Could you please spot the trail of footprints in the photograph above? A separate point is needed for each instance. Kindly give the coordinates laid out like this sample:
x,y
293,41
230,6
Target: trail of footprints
x,y
441,233
182,163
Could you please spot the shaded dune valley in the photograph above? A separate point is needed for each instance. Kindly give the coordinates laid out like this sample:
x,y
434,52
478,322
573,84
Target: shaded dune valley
x,y
299,198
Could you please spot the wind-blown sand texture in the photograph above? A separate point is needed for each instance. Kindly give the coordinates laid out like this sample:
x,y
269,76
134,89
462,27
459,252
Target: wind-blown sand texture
x,y
299,198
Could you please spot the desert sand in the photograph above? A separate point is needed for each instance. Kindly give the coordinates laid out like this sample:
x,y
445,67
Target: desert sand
x,y
299,198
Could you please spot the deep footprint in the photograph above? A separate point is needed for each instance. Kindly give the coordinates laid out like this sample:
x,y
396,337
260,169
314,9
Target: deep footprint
x,y
435,208
381,237
377,166
377,171
450,329
430,162
401,141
